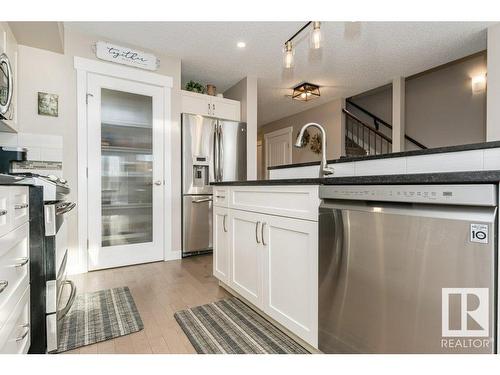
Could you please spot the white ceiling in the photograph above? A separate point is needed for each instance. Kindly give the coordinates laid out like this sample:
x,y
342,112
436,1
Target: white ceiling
x,y
356,56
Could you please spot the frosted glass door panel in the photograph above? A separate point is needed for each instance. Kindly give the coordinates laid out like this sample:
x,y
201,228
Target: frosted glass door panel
x,y
126,168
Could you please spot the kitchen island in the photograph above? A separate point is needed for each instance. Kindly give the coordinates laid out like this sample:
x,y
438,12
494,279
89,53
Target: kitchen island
x,y
266,239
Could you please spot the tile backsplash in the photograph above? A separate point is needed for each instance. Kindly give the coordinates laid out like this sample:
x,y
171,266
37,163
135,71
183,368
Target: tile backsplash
x,y
40,147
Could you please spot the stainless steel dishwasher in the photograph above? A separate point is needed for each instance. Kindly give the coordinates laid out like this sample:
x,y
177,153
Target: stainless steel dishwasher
x,y
408,269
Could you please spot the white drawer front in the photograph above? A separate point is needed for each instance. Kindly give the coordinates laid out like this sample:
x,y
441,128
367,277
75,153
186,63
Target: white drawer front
x,y
300,202
20,205
221,196
5,210
14,269
15,336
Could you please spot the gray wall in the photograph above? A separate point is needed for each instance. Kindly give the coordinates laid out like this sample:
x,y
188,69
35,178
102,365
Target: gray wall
x,y
329,115
440,107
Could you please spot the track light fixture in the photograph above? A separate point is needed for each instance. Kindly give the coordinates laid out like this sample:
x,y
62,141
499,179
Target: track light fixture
x,y
315,42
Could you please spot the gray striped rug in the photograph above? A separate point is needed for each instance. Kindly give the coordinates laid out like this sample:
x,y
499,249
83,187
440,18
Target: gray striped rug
x,y
99,316
230,326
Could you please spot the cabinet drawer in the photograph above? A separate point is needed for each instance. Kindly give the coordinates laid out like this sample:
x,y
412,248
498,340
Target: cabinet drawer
x,y
15,335
20,205
301,202
14,269
221,196
5,210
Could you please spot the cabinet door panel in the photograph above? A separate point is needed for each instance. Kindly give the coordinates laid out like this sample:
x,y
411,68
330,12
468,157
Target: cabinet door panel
x,y
221,244
226,109
196,104
290,269
245,274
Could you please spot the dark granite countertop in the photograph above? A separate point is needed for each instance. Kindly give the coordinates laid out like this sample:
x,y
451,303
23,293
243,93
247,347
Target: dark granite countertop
x,y
475,177
6,179
439,150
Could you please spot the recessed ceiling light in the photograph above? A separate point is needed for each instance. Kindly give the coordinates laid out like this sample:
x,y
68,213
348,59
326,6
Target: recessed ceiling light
x,y
241,44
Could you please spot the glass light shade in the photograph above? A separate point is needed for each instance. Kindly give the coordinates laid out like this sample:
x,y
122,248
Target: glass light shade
x,y
288,55
478,83
316,37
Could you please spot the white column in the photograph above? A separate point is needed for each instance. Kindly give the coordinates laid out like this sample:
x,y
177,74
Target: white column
x,y
251,120
398,114
493,89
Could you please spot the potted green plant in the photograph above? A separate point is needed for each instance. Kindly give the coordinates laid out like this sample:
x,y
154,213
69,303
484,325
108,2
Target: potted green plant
x,y
195,87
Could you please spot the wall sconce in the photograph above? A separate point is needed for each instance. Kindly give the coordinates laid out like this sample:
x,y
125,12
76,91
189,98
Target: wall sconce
x,y
478,83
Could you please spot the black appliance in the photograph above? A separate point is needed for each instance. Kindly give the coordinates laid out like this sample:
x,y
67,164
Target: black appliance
x,y
9,155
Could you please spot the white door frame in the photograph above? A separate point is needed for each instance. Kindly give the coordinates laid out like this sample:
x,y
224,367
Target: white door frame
x,y
288,130
83,68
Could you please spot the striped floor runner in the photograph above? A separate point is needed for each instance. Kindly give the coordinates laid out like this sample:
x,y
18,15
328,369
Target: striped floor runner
x,y
99,316
229,326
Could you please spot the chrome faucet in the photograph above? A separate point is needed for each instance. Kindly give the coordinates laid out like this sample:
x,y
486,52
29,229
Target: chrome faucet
x,y
324,169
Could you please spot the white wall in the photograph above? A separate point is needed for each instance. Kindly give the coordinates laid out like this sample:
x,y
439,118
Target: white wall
x,y
245,91
41,70
493,100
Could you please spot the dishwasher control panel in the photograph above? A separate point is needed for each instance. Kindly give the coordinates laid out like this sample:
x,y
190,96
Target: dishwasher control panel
x,y
469,195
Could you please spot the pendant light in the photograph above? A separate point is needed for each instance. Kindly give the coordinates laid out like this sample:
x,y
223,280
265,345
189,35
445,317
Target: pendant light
x,y
288,55
316,37
315,42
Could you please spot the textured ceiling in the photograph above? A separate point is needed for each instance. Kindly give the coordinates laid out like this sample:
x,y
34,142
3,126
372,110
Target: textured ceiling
x,y
356,56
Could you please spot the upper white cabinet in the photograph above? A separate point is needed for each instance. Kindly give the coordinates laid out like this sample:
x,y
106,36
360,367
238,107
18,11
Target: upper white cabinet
x,y
9,46
213,106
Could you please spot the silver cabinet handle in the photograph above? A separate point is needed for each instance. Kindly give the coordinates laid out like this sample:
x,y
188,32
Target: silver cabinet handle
x,y
220,196
224,223
3,212
262,233
158,182
62,313
257,231
23,336
21,206
23,261
3,284
213,108
209,108
202,200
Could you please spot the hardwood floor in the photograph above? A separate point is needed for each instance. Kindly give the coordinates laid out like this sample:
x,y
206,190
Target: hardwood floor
x,y
159,289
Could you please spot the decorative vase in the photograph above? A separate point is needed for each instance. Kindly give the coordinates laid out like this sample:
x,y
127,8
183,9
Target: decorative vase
x,y
211,90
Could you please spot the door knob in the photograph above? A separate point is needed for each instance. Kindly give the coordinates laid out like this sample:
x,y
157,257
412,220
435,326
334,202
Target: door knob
x,y
158,182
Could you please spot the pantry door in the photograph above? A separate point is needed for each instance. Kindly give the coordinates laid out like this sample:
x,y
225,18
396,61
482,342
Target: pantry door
x,y
125,172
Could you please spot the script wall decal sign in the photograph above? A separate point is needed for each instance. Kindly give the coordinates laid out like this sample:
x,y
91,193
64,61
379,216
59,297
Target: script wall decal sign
x,y
127,56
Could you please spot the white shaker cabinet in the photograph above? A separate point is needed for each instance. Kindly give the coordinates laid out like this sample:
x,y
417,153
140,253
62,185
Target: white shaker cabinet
x,y
273,258
245,274
213,106
290,274
14,270
221,243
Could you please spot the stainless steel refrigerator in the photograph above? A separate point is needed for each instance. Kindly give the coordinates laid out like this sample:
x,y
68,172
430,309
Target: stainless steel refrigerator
x,y
213,150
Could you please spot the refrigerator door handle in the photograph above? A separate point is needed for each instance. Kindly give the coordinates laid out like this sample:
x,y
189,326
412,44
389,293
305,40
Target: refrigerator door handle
x,y
216,152
221,153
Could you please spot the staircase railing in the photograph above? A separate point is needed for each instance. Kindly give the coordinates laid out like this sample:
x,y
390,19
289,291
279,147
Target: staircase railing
x,y
373,141
377,122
